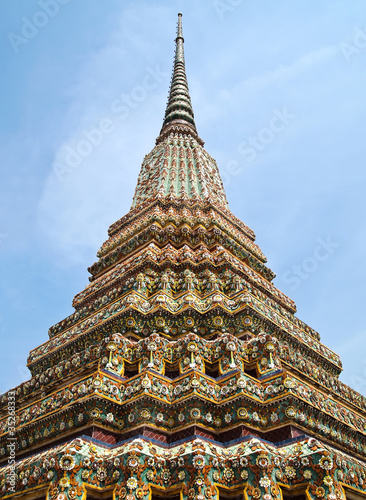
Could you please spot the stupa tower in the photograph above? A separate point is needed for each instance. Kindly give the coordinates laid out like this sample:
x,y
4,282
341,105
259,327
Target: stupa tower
x,y
183,370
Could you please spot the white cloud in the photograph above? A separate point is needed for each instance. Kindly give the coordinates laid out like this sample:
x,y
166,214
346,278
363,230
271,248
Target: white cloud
x,y
93,173
302,64
77,205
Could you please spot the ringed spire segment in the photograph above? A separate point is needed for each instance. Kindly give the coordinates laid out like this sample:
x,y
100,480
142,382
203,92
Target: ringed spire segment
x,y
179,111
178,168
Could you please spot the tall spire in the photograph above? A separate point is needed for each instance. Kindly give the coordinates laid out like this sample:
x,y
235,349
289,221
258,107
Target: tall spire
x,y
179,112
182,352
178,168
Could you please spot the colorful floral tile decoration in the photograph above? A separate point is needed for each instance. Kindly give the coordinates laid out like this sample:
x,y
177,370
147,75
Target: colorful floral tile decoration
x,y
183,369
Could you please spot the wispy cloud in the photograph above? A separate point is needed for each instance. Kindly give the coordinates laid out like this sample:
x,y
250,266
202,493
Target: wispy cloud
x,y
300,65
92,175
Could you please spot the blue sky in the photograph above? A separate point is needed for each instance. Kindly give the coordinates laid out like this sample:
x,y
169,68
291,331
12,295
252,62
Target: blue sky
x,y
278,90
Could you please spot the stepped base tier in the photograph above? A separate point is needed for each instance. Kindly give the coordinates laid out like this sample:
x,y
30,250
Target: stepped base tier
x,y
183,371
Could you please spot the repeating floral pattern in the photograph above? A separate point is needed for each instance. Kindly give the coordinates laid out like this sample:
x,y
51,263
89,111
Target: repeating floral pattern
x,y
155,357
179,168
197,468
182,339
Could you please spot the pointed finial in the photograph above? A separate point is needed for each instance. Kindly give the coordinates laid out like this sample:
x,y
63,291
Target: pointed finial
x,y
178,169
179,27
179,112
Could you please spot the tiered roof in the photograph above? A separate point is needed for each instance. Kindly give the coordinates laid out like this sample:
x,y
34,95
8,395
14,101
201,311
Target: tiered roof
x,y
183,368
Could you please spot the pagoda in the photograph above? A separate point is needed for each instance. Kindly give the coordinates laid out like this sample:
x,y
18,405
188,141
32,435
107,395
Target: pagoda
x,y
183,372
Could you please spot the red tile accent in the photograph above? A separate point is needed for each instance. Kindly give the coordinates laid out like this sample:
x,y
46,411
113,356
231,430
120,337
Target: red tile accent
x,y
153,434
296,432
247,432
103,435
206,434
